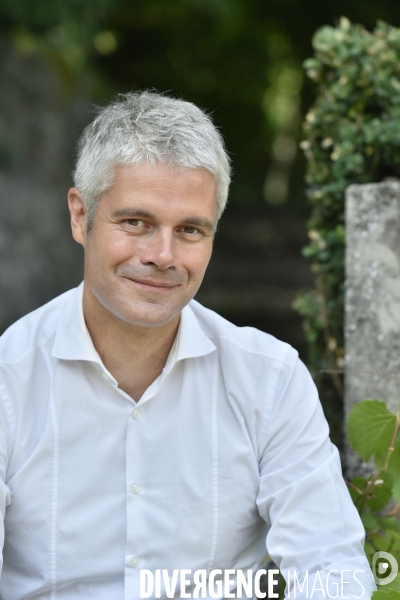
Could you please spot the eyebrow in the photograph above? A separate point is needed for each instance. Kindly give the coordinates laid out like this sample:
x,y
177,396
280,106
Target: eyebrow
x,y
132,211
138,212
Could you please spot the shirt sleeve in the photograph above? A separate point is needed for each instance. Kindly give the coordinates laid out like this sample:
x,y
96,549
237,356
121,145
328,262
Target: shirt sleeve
x,y
316,537
5,452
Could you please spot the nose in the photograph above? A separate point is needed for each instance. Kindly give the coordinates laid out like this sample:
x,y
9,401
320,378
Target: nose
x,y
158,250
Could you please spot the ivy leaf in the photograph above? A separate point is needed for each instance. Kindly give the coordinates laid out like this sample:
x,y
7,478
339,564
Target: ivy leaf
x,y
386,523
370,428
387,541
395,585
369,521
390,594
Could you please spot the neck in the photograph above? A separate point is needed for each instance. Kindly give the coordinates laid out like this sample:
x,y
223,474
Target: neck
x,y
134,355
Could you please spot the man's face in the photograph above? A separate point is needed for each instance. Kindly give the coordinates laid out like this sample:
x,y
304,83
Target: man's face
x,y
150,243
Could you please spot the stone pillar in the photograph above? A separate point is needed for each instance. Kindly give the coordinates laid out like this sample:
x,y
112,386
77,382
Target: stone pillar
x,y
372,304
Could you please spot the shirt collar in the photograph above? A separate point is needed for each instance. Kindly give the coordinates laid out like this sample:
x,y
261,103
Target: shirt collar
x,y
73,342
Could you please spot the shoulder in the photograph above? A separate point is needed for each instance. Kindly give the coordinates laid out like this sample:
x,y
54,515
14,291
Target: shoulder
x,y
256,369
242,340
31,331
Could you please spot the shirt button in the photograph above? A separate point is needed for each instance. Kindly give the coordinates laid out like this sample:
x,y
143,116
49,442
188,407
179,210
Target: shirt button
x,y
134,561
135,488
136,414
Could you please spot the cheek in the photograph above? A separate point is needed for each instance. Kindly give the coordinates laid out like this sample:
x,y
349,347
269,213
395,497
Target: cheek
x,y
112,248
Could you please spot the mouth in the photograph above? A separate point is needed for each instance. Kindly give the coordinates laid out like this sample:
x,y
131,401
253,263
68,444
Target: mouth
x,y
151,285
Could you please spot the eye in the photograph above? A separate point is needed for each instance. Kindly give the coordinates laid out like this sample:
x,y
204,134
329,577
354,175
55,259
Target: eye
x,y
190,230
134,222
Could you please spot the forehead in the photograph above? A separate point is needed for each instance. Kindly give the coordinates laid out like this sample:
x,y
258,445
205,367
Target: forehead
x,y
151,181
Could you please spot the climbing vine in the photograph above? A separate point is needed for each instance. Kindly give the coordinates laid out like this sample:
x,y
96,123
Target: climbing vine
x,y
351,135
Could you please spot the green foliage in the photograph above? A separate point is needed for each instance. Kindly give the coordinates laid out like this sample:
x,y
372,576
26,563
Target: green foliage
x,y
373,432
232,58
376,424
41,16
64,34
390,594
351,135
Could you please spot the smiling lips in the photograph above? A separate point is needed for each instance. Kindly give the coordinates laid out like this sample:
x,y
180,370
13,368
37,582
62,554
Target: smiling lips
x,y
154,285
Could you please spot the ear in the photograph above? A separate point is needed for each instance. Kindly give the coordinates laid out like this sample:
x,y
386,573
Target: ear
x,y
77,210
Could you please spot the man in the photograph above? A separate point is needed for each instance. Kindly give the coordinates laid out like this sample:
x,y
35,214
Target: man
x,y
141,432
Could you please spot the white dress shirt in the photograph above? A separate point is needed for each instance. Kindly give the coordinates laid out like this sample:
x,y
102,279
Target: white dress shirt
x,y
225,457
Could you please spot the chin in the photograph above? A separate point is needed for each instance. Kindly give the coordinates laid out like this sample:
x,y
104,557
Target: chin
x,y
149,317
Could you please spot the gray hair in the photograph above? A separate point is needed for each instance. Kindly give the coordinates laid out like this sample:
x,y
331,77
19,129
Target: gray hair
x,y
153,128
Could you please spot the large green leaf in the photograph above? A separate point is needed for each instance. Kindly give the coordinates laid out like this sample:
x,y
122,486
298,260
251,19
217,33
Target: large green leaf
x,y
386,595
395,584
370,428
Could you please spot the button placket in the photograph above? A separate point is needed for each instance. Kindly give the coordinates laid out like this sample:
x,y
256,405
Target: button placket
x,y
134,506
134,562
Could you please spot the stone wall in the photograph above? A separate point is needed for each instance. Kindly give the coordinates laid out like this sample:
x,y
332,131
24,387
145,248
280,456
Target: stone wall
x,y
372,316
39,121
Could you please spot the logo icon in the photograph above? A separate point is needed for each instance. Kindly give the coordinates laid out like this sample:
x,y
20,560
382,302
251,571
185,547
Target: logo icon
x,y
384,564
